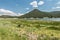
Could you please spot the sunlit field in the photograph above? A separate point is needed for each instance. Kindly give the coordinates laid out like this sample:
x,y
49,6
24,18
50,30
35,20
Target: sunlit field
x,y
22,29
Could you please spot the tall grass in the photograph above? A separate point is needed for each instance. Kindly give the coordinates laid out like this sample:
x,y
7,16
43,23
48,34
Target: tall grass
x,y
20,29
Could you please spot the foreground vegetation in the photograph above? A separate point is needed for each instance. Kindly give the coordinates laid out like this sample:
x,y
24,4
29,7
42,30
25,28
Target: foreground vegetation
x,y
21,29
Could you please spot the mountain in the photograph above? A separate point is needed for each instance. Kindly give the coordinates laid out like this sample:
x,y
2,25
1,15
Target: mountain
x,y
7,16
36,14
55,14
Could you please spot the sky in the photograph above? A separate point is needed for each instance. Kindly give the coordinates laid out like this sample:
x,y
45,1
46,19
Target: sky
x,y
20,7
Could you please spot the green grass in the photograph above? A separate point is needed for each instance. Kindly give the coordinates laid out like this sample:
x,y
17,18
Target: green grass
x,y
29,29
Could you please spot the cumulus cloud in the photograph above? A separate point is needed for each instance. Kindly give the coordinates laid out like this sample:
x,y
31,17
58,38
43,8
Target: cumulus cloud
x,y
41,3
34,4
8,12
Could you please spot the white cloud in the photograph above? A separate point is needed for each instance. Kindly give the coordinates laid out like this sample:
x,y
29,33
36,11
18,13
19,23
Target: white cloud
x,y
27,8
34,4
41,3
19,14
58,2
8,12
58,7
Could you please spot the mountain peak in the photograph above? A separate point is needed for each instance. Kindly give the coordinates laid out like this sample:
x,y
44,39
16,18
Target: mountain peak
x,y
35,10
35,13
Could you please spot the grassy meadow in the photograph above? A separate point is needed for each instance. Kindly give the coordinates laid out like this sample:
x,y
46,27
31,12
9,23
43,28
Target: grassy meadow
x,y
21,29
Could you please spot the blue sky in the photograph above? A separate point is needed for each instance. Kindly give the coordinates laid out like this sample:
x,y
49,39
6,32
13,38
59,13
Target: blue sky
x,y
23,6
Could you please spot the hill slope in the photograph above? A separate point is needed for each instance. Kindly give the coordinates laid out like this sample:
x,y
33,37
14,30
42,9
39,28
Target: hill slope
x,y
36,14
55,14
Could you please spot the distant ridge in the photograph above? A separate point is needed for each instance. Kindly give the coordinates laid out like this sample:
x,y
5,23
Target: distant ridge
x,y
7,16
35,13
55,14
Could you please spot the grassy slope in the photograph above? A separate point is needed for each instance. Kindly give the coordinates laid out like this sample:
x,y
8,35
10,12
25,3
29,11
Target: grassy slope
x,y
29,29
36,14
